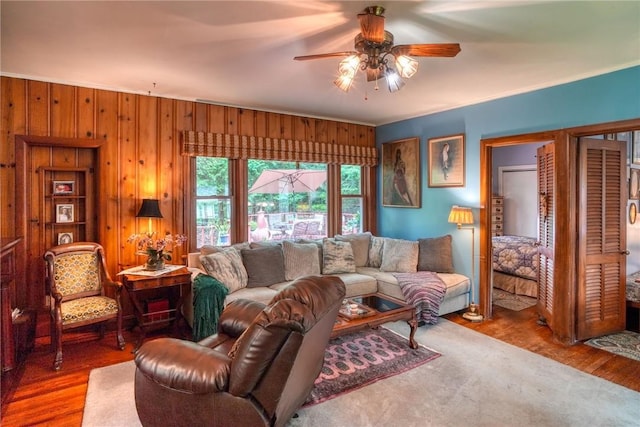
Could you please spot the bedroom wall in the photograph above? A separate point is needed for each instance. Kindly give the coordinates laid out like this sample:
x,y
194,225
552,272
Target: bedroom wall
x,y
605,98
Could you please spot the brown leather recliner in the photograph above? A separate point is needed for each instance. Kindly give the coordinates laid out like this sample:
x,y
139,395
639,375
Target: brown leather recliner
x,y
256,371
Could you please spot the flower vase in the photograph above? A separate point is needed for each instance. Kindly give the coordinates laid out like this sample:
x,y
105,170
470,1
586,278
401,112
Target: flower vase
x,y
154,262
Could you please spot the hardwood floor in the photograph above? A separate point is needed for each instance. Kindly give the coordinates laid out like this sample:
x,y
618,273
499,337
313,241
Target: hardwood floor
x,y
45,397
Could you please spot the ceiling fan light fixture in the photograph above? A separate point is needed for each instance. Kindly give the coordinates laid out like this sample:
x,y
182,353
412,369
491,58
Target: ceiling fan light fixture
x,y
406,65
349,65
344,82
394,82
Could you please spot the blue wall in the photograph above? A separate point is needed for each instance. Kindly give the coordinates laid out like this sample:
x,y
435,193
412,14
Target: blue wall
x,y
605,98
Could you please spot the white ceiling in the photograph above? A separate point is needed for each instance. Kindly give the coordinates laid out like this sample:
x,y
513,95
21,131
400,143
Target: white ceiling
x,y
240,52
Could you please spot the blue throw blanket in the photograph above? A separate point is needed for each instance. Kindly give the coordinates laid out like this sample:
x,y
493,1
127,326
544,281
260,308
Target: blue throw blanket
x,y
208,301
425,291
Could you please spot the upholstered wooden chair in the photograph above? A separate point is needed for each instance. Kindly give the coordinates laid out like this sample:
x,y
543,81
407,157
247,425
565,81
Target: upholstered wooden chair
x,y
76,277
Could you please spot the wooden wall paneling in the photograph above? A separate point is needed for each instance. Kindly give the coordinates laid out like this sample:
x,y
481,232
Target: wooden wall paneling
x,y
217,118
86,113
321,130
301,129
109,180
38,215
286,126
260,120
246,122
342,136
332,132
63,111
136,177
38,108
274,125
12,123
231,125
200,117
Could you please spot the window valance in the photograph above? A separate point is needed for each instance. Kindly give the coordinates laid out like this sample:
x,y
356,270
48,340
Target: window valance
x,y
255,147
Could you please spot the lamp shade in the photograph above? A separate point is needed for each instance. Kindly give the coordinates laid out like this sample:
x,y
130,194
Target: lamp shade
x,y
150,209
460,215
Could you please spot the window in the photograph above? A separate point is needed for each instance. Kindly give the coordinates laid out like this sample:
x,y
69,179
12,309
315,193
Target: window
x,y
351,194
212,202
286,200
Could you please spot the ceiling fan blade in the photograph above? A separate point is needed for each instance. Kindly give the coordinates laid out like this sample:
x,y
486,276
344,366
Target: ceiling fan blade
x,y
372,24
324,55
438,49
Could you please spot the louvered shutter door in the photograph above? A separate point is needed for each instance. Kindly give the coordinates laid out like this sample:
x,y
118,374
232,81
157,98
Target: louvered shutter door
x,y
602,238
546,210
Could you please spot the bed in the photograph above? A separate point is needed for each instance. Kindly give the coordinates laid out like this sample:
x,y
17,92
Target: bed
x,y
515,264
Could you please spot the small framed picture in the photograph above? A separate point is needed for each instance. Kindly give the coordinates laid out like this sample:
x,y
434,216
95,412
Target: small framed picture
x,y
64,238
633,213
63,187
446,161
64,213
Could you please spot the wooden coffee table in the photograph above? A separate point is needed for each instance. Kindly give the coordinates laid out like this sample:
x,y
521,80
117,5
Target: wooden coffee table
x,y
373,310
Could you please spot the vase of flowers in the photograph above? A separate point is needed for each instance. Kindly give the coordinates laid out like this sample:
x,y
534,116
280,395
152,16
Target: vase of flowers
x,y
157,250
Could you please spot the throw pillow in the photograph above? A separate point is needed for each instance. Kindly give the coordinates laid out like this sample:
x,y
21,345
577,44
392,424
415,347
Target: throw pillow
x,y
435,254
227,267
337,257
400,256
300,259
210,249
375,251
360,244
264,265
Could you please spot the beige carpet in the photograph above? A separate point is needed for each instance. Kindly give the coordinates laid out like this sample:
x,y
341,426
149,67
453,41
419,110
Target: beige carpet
x,y
512,301
477,381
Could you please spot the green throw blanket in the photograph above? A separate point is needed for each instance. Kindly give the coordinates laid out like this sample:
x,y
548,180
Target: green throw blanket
x,y
208,301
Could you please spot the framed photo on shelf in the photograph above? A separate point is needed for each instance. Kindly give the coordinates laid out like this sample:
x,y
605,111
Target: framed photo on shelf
x,y
64,213
64,238
633,213
634,184
401,173
63,187
446,161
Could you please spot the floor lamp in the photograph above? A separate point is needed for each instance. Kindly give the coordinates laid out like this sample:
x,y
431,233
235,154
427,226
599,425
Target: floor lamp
x,y
459,216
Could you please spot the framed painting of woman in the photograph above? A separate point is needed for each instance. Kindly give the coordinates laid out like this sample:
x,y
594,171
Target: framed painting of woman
x,y
446,161
401,173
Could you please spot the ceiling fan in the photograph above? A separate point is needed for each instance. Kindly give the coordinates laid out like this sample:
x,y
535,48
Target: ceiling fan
x,y
374,50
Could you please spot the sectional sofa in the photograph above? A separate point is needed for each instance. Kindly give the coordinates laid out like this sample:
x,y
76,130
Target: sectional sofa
x,y
364,262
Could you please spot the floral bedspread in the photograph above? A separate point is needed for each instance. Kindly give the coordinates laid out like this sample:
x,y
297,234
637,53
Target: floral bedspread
x,y
516,255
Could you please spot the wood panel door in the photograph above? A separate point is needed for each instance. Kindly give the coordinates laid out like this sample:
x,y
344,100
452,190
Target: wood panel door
x,y
602,242
546,232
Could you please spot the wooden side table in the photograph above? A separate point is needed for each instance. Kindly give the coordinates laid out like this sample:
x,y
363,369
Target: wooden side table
x,y
139,286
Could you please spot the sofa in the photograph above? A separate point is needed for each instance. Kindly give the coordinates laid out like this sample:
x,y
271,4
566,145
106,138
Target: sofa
x,y
366,264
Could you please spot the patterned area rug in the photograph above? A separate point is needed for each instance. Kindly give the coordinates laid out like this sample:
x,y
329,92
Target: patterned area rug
x,y
625,343
355,360
512,301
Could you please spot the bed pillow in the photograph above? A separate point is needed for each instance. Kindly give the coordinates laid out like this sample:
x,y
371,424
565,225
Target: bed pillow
x,y
435,254
227,267
300,259
264,265
337,257
375,251
360,243
399,256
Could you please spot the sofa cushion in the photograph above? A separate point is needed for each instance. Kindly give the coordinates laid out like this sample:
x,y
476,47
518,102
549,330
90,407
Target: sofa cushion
x,y
227,267
400,256
264,265
360,243
435,254
300,259
337,257
210,249
375,252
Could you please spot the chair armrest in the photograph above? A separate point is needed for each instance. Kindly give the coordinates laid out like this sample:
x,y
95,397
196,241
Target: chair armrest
x,y
184,365
238,316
